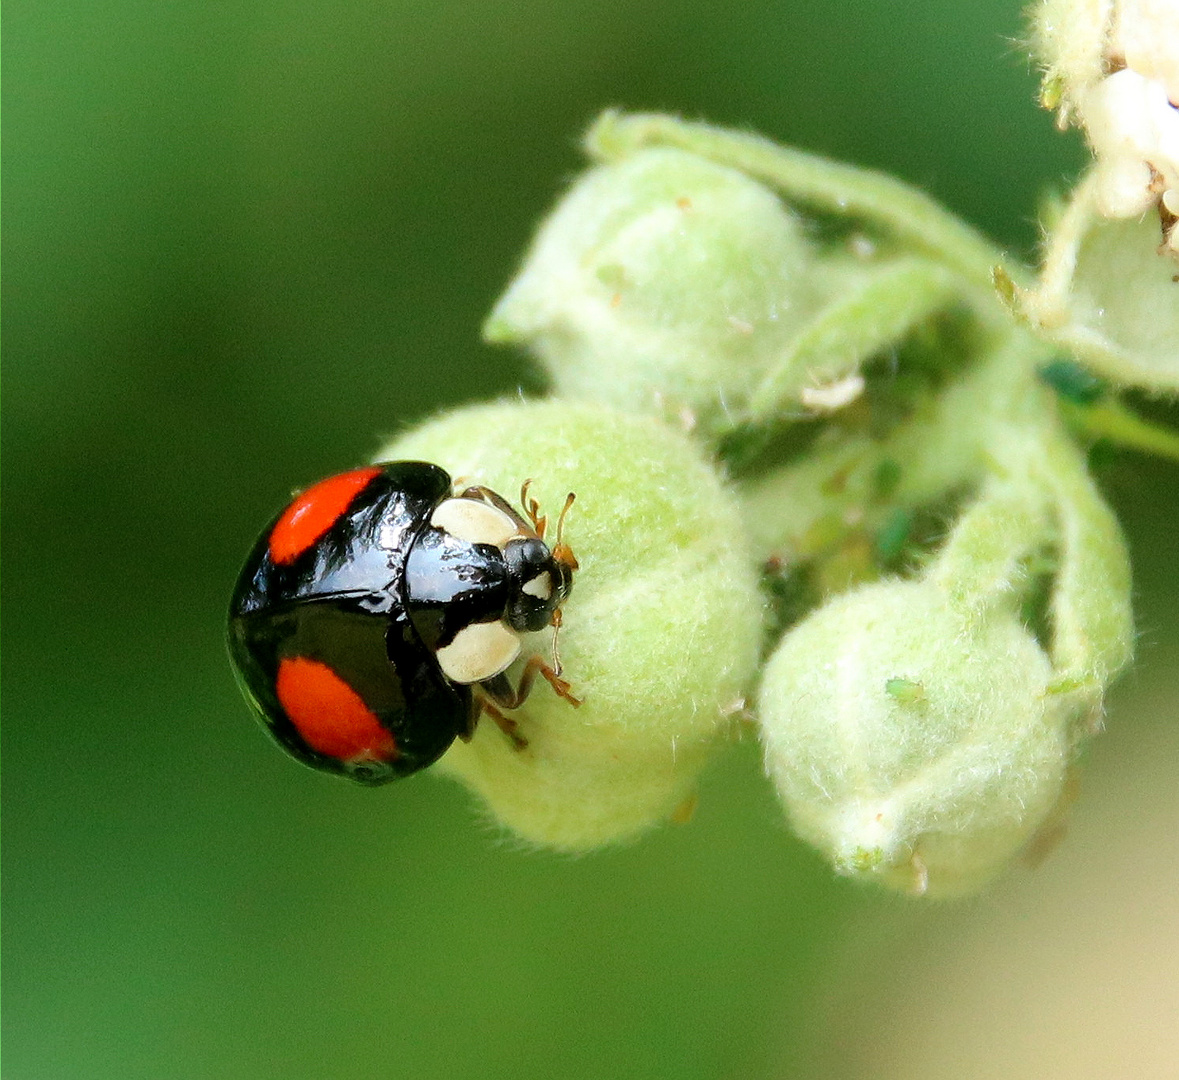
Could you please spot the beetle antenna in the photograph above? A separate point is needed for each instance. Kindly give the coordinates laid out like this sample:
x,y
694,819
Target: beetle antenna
x,y
532,509
561,520
556,630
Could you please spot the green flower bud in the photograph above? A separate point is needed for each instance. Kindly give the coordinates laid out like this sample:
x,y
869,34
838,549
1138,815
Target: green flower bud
x,y
912,743
660,635
662,283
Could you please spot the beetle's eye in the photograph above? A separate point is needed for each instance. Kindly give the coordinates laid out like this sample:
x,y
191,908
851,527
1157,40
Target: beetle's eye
x,y
526,557
565,577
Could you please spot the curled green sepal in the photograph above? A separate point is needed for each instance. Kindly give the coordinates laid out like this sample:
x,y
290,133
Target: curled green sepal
x,y
900,211
878,304
1092,618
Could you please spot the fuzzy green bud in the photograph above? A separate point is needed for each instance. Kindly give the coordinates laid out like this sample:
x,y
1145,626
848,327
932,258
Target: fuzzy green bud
x,y
663,283
912,742
660,636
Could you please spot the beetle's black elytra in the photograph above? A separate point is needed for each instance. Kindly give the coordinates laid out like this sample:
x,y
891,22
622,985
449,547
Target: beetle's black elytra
x,y
375,617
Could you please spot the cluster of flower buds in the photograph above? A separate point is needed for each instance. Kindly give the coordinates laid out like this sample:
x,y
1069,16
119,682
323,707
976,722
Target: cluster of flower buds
x,y
824,488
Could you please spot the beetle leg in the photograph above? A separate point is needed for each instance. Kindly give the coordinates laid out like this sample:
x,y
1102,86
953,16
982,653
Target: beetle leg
x,y
560,687
505,723
501,691
473,714
486,495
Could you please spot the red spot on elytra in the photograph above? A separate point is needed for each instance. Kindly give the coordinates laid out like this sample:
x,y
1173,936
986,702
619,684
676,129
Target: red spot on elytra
x,y
316,511
330,716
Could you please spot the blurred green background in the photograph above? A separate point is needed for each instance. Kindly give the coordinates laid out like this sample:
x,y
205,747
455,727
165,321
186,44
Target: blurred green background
x,y
245,241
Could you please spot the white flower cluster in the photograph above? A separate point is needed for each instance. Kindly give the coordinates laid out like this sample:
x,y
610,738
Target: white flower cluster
x,y
1107,289
1114,68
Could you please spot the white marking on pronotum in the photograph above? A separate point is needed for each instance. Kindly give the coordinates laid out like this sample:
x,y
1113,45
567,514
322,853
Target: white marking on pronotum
x,y
475,521
540,586
478,652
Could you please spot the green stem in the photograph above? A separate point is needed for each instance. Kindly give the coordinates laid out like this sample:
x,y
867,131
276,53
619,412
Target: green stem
x,y
1048,304
1110,419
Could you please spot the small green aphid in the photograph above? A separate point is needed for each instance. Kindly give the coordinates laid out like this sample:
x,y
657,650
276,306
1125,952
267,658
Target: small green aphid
x,y
905,691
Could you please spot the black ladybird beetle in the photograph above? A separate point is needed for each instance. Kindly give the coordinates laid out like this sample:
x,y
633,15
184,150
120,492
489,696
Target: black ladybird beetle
x,y
376,616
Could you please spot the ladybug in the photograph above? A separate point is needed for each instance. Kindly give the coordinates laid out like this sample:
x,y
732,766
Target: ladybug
x,y
376,617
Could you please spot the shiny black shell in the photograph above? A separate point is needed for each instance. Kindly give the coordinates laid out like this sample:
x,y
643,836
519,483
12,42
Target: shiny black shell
x,y
340,602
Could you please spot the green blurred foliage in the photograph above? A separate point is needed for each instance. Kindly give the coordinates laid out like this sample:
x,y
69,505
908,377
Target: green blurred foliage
x,y
243,242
